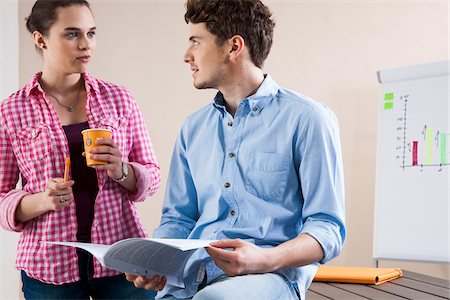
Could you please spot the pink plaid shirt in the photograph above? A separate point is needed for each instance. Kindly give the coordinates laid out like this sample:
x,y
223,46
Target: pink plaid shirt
x,y
33,144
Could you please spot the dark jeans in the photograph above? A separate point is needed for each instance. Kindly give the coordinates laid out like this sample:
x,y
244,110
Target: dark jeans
x,y
114,287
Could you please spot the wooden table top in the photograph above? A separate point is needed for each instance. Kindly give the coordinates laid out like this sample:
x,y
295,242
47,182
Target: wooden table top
x,y
411,286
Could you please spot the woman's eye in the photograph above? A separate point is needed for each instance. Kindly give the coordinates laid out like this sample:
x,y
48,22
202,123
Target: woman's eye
x,y
91,34
71,35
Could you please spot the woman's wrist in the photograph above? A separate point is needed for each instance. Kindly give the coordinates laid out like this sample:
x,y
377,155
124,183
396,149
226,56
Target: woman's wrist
x,y
130,180
30,207
124,170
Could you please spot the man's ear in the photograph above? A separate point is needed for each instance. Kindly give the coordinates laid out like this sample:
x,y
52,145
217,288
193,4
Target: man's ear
x,y
237,44
39,40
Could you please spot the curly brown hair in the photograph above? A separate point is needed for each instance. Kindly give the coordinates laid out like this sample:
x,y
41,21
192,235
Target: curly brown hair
x,y
250,19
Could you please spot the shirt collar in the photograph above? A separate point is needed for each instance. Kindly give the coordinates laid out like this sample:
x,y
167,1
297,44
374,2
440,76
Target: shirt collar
x,y
90,82
219,102
33,83
266,91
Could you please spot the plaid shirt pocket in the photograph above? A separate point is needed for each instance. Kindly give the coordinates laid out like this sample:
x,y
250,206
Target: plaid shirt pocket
x,y
118,127
34,143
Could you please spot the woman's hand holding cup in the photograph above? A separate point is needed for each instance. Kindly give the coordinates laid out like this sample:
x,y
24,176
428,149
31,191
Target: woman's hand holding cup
x,y
108,152
101,152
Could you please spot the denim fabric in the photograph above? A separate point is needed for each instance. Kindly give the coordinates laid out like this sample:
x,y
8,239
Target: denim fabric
x,y
114,287
267,286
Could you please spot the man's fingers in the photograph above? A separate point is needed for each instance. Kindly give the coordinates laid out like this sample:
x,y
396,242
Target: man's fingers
x,y
155,283
150,284
221,254
161,284
228,243
140,281
130,277
147,283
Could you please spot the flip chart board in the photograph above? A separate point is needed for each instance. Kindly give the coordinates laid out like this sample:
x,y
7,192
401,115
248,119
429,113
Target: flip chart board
x,y
412,198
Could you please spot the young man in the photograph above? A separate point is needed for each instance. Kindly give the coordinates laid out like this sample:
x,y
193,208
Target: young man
x,y
258,169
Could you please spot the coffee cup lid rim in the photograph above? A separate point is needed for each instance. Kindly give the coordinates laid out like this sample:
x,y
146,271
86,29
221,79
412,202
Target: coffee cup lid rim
x,y
92,129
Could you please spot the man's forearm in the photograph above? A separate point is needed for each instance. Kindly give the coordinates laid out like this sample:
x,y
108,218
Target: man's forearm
x,y
300,251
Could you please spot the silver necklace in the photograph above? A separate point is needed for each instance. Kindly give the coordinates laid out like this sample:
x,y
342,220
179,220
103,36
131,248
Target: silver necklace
x,y
70,107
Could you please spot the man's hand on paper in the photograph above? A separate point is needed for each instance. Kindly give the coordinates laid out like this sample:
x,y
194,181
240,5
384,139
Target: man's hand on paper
x,y
156,283
244,258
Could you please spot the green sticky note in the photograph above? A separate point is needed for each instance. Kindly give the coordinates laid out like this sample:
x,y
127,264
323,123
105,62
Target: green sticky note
x,y
443,148
388,105
389,96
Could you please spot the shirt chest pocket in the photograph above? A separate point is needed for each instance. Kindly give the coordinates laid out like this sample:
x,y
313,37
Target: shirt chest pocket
x,y
111,123
267,176
34,143
118,127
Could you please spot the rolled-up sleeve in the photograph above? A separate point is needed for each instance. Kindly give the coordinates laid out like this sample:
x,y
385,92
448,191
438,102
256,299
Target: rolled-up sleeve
x,y
147,181
9,176
8,205
322,182
142,157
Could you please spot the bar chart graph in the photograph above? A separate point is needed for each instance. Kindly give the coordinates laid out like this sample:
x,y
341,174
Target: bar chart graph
x,y
428,147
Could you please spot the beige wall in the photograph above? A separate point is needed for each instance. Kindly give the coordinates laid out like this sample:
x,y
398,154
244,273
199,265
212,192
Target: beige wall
x,y
9,79
328,50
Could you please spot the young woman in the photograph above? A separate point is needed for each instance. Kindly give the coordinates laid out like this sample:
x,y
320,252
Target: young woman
x,y
40,125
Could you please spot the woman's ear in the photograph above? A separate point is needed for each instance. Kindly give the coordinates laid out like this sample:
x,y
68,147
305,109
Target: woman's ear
x,y
39,40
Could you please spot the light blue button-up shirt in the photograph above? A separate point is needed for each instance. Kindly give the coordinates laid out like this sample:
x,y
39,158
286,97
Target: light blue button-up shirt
x,y
266,175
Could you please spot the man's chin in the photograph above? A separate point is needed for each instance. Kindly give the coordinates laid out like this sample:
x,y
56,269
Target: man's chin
x,y
202,85
199,86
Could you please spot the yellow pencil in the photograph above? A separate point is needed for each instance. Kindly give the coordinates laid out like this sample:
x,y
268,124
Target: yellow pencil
x,y
66,169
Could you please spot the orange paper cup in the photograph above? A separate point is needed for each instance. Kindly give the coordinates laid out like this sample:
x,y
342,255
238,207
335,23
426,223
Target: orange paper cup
x,y
90,137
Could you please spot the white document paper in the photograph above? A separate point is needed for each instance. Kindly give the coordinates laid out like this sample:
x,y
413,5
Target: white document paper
x,y
145,256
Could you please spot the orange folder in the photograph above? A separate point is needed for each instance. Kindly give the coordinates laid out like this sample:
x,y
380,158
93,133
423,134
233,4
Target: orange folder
x,y
356,275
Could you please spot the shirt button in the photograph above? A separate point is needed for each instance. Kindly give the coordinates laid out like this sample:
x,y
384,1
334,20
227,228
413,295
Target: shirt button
x,y
227,185
230,124
232,213
255,108
231,155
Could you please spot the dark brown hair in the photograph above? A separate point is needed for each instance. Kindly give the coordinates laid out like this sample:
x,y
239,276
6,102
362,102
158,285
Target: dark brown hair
x,y
250,19
43,14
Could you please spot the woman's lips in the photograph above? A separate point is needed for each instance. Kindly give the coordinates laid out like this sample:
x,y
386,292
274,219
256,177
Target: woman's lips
x,y
84,59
